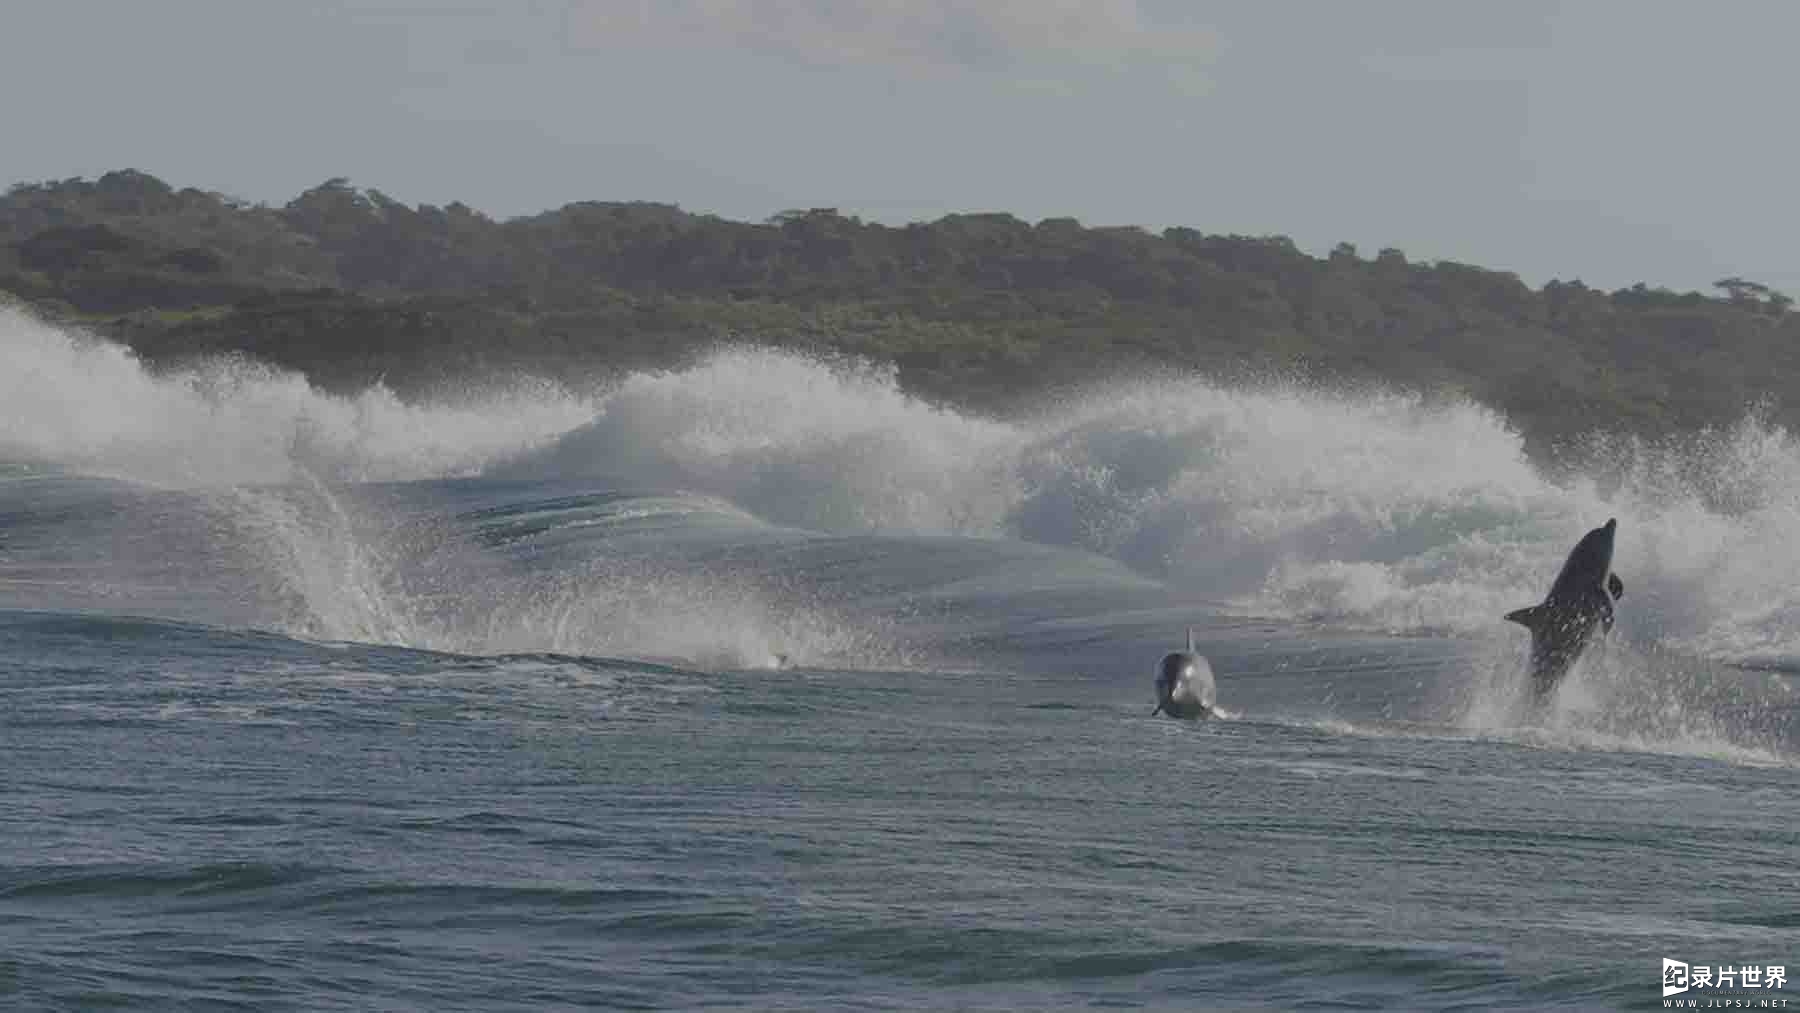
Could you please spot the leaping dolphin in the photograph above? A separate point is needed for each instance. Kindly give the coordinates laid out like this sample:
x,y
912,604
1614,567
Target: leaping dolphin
x,y
1184,684
1581,599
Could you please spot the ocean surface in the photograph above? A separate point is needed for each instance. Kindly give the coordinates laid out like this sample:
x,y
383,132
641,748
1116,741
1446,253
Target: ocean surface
x,y
761,685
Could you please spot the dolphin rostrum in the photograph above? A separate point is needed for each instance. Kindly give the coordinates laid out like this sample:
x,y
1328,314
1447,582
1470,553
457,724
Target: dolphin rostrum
x,y
1581,599
1184,684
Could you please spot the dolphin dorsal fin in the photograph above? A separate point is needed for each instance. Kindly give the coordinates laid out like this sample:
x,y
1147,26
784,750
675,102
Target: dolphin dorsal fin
x,y
1191,641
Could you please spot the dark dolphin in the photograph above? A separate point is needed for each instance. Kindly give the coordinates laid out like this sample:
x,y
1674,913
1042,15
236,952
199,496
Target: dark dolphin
x,y
1580,600
1184,684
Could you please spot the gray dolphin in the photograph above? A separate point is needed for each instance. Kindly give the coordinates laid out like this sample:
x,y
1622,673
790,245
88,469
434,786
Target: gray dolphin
x,y
1580,600
1184,684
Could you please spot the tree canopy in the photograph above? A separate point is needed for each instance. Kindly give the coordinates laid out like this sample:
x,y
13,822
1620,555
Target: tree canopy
x,y
985,310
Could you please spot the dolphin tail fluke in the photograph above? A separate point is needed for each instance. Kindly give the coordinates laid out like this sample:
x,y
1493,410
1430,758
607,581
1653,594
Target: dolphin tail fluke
x,y
1615,586
1530,618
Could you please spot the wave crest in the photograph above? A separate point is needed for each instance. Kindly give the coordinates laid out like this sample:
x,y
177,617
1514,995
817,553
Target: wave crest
x,y
90,406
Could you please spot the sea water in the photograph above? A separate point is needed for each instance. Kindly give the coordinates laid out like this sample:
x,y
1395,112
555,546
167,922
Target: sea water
x,y
760,684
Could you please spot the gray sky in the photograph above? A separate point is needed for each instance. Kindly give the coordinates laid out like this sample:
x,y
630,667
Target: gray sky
x,y
1609,140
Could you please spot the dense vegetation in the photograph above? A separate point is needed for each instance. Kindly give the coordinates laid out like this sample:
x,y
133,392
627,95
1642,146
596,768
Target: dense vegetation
x,y
350,286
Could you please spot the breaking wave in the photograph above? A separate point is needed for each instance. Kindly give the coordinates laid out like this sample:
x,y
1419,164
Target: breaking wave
x,y
1368,509
1375,509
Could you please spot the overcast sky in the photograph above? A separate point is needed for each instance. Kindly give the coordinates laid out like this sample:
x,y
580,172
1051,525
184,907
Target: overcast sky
x,y
1609,140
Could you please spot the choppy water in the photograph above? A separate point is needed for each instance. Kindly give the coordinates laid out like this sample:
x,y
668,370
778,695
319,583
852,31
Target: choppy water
x,y
761,685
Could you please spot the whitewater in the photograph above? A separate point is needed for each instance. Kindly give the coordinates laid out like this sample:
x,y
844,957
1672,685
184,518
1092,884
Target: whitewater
x,y
760,682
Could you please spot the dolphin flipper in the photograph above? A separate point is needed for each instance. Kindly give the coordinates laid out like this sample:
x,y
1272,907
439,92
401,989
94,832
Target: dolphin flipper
x,y
1533,618
1615,585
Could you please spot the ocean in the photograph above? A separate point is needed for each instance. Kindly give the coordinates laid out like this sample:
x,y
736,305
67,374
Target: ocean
x,y
759,684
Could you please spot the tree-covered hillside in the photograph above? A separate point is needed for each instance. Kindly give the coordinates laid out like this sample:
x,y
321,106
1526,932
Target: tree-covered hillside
x,y
984,310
